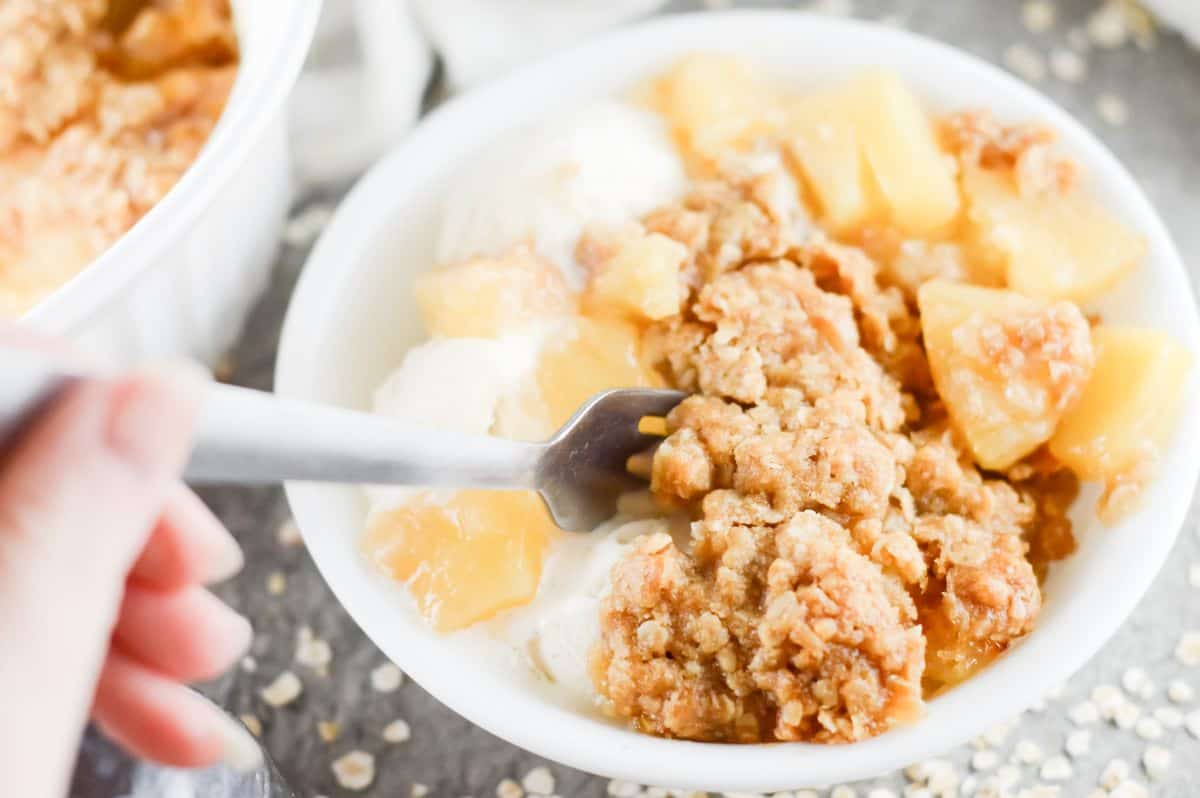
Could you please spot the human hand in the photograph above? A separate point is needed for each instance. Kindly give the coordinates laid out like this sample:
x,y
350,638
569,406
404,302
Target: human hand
x,y
103,554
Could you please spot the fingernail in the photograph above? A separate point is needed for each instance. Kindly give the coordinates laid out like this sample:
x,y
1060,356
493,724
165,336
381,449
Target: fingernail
x,y
153,414
246,635
239,749
227,561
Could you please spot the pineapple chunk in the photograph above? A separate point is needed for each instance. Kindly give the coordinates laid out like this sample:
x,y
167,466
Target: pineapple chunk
x,y
467,559
486,297
1006,366
605,354
1128,406
1052,245
914,178
713,103
822,144
639,277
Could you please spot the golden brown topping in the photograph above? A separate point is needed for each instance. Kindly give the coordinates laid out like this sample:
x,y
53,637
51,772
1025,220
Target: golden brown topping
x,y
782,633
67,201
1025,149
45,65
86,152
172,33
839,551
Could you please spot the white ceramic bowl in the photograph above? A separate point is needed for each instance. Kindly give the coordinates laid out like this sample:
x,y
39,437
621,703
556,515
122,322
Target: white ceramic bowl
x,y
353,316
182,279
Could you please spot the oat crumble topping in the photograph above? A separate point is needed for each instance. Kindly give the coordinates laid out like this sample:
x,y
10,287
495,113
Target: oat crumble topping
x,y
977,138
847,557
97,126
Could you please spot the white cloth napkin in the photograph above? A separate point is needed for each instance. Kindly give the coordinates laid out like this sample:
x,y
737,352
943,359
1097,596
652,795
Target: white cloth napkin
x,y
371,62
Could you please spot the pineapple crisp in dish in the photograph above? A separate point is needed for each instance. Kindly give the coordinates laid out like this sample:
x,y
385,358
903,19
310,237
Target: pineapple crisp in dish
x,y
895,385
104,104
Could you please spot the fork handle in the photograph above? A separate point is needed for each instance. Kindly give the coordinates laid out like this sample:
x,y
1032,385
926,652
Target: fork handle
x,y
250,436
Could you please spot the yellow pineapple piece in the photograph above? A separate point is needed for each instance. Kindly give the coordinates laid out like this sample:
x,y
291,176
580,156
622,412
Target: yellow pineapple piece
x,y
1052,245
466,559
639,277
486,297
604,353
823,145
1006,366
915,179
1128,405
713,103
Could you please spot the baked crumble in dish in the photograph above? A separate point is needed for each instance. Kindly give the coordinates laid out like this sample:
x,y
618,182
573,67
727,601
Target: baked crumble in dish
x,y
104,104
894,392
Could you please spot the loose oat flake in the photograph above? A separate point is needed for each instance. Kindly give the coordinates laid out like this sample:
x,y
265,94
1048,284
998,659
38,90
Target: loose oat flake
x,y
1108,27
1108,700
1169,717
1188,649
289,534
398,731
1056,768
984,760
285,689
1148,728
1157,761
1133,679
355,770
1078,743
418,790
276,583
1180,692
328,730
1129,789
1067,65
539,781
1037,16
312,651
619,788
1126,716
1027,752
387,678
1115,772
1112,109
1025,62
507,788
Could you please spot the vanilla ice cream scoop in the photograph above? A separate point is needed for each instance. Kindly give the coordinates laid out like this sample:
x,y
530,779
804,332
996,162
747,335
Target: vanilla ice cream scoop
x,y
605,164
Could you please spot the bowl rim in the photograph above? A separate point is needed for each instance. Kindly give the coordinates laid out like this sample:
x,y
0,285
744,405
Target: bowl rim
x,y
252,105
1007,686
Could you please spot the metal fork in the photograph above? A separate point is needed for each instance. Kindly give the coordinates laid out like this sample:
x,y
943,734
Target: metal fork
x,y
249,436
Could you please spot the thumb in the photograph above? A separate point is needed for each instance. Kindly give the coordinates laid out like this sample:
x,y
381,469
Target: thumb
x,y
79,493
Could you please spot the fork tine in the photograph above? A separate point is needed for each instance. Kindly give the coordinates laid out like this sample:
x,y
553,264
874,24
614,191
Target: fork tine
x,y
583,469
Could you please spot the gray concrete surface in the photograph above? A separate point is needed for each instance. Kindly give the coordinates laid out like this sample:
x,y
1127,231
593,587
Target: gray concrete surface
x,y
1160,143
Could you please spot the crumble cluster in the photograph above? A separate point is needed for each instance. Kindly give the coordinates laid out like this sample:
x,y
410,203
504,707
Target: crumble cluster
x,y
1025,149
847,557
99,118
